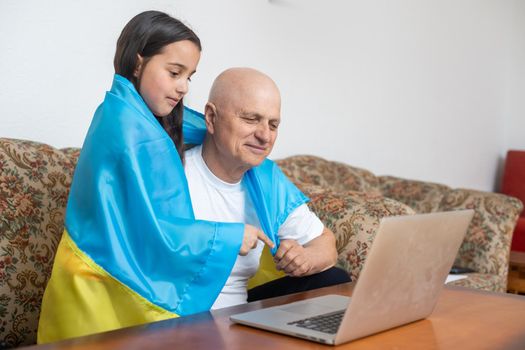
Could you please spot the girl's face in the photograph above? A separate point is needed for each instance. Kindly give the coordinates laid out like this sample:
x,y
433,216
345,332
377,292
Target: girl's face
x,y
164,78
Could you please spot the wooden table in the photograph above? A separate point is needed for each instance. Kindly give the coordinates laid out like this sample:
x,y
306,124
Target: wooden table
x,y
463,319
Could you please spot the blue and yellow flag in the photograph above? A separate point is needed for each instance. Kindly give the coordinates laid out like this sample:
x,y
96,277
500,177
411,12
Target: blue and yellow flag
x,y
132,251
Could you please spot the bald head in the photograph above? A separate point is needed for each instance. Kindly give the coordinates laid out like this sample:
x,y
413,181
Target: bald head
x,y
242,117
237,88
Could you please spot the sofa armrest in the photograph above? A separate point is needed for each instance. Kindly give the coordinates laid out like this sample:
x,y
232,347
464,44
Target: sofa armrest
x,y
486,246
34,186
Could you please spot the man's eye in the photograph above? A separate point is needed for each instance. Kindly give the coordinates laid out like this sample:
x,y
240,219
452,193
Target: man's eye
x,y
250,120
274,126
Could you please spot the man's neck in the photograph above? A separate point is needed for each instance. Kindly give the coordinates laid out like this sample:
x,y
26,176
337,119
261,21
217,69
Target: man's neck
x,y
220,166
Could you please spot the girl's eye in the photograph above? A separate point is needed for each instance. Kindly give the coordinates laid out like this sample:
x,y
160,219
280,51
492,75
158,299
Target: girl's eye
x,y
174,74
189,79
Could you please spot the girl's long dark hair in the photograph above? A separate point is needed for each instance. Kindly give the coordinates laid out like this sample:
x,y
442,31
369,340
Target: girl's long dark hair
x,y
146,34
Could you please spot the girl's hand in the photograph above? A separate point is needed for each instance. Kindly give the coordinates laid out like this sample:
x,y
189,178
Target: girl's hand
x,y
250,239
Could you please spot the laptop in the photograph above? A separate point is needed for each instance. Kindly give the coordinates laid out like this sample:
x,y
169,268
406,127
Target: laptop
x,y
400,282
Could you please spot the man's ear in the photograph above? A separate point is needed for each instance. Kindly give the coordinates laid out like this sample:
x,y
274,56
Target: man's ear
x,y
138,66
210,115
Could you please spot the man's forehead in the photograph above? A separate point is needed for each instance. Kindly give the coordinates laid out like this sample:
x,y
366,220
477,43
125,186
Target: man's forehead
x,y
262,100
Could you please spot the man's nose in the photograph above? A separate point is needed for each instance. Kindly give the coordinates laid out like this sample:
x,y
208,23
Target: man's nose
x,y
263,132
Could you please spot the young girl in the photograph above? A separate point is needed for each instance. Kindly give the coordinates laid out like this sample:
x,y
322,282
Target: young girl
x,y
159,54
131,251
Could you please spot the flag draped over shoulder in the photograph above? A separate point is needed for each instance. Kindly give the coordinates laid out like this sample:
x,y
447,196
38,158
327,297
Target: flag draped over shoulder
x,y
132,251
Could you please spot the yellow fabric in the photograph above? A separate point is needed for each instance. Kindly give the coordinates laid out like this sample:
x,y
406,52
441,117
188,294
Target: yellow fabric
x,y
267,271
82,298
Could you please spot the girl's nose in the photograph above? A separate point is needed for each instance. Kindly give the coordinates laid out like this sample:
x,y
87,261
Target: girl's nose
x,y
182,86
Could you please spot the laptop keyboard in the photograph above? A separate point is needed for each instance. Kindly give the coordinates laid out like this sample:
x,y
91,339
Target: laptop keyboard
x,y
327,323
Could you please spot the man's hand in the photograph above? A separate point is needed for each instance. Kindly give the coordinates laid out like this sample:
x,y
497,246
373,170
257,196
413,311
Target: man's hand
x,y
317,255
250,239
291,257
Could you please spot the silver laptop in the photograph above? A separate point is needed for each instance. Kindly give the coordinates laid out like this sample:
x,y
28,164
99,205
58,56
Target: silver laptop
x,y
402,277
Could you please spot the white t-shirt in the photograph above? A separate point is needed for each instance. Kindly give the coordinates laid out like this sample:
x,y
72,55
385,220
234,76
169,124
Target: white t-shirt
x,y
216,200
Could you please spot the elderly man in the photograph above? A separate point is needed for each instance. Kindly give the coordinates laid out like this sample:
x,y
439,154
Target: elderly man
x,y
242,119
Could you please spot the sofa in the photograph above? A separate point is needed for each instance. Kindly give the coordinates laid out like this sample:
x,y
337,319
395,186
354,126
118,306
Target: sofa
x,y
351,201
35,180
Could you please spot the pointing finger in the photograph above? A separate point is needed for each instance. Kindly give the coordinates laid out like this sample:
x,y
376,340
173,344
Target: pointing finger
x,y
265,239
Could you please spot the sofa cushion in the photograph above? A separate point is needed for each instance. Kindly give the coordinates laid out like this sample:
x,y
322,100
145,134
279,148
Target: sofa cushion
x,y
34,186
311,170
354,218
423,197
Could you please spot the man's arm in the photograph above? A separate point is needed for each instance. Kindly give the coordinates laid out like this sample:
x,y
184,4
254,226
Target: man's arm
x,y
315,256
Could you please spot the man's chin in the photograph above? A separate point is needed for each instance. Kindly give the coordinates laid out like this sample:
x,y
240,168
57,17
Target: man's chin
x,y
255,161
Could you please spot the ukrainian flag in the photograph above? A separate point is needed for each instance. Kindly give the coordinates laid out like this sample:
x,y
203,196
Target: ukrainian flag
x,y
132,251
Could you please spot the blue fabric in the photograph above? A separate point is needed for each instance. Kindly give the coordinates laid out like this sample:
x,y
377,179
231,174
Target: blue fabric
x,y
129,207
274,197
193,127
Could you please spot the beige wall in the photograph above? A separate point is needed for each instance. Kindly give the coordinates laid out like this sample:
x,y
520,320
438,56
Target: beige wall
x,y
424,89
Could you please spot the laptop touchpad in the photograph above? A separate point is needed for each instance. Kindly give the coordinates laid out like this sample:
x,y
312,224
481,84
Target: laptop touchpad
x,y
307,309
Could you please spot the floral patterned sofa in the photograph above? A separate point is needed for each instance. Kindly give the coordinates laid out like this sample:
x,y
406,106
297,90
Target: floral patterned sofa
x,y
35,180
351,201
